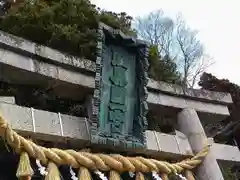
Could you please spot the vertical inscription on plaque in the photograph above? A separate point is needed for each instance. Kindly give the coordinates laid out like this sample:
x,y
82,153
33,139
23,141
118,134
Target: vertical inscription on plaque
x,y
120,96
117,107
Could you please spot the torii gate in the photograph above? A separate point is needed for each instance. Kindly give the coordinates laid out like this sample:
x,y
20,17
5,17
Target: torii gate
x,y
190,108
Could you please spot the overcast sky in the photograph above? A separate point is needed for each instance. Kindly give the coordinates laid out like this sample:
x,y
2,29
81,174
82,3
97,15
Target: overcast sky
x,y
218,23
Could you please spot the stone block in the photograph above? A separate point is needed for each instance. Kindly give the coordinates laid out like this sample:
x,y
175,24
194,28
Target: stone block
x,y
226,152
7,99
76,78
181,103
75,127
18,117
183,144
207,107
47,122
151,141
45,69
204,95
46,52
168,143
13,59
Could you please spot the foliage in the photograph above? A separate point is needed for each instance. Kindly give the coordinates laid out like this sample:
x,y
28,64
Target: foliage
x,y
4,6
229,170
176,41
227,129
228,174
117,20
162,69
70,26
67,25
39,98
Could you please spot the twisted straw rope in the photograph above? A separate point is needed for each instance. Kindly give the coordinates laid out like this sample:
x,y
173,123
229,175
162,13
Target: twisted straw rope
x,y
92,161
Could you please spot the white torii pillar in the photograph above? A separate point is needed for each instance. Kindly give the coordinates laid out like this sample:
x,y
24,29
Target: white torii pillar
x,y
190,124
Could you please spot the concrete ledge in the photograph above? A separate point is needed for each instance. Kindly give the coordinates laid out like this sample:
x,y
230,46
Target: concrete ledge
x,y
199,94
10,58
165,100
226,152
24,45
7,99
174,145
44,124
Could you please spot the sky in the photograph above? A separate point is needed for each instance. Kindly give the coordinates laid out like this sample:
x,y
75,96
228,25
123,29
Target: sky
x,y
217,23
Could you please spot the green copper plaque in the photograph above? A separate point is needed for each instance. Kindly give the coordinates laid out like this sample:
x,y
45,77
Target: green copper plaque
x,y
119,106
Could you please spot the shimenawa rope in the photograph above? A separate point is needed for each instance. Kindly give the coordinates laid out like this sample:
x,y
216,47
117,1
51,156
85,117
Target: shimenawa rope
x,y
85,161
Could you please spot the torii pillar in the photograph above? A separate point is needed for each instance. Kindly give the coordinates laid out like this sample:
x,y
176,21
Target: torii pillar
x,y
190,124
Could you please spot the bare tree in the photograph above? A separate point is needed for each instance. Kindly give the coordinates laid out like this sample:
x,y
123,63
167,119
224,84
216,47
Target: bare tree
x,y
177,41
191,56
196,71
158,30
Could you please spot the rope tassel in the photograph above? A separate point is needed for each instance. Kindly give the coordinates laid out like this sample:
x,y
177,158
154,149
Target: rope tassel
x,y
114,175
164,176
139,176
189,175
52,172
84,174
24,171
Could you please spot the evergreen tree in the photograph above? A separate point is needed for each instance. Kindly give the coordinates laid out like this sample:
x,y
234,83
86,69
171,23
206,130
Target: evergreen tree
x,y
162,68
71,26
67,25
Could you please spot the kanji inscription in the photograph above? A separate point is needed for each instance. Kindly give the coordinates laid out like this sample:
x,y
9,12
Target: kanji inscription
x,y
117,106
119,100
